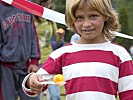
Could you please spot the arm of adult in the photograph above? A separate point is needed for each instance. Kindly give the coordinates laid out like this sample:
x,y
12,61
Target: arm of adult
x,y
35,53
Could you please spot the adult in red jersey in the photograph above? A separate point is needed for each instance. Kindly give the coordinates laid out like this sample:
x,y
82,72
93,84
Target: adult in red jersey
x,y
19,51
94,68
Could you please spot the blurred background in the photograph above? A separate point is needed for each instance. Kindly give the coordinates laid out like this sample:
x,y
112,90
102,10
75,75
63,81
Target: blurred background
x,y
125,10
123,7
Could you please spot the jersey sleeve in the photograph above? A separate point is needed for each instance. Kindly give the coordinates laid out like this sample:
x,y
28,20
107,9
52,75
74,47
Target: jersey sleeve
x,y
0,37
28,91
125,83
52,66
35,54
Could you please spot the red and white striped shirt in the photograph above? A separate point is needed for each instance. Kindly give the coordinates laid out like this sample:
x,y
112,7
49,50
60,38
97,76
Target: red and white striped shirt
x,y
93,71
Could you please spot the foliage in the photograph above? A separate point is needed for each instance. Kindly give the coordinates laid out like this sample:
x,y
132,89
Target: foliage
x,y
60,7
124,9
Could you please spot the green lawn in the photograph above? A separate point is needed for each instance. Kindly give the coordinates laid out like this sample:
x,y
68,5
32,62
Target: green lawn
x,y
62,92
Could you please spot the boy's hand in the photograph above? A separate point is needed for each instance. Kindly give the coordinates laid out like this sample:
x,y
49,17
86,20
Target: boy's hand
x,y
34,83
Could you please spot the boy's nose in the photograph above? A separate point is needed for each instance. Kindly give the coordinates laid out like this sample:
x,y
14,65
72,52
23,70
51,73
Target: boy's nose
x,y
87,23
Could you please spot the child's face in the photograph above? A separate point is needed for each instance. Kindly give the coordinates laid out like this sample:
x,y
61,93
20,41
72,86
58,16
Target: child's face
x,y
89,24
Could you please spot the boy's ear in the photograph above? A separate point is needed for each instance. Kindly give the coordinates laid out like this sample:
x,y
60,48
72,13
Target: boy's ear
x,y
107,18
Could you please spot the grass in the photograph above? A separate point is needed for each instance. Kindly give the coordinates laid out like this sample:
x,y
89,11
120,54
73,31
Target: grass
x,y
62,91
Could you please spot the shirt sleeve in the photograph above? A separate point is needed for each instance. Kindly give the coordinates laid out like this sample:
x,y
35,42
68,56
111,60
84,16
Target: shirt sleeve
x,y
125,83
28,91
35,54
0,37
52,66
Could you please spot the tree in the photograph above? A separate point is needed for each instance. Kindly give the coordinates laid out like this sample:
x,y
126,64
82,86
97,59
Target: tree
x,y
60,6
124,9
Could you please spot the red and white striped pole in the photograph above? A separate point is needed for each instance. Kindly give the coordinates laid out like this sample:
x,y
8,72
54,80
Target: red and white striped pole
x,y
38,10
47,13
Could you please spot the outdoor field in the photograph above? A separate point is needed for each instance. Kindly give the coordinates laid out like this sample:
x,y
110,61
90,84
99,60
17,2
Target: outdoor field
x,y
62,91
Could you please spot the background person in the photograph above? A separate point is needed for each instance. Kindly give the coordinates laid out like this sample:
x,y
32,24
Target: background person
x,y
19,51
75,37
60,41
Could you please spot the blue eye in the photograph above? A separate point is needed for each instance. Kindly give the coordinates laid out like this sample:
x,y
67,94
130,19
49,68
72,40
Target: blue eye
x,y
93,17
79,18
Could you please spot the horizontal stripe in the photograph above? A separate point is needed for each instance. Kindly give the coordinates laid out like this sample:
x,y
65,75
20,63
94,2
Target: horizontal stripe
x,y
108,48
8,64
91,56
42,71
87,95
91,84
127,95
121,52
52,67
126,68
91,69
126,83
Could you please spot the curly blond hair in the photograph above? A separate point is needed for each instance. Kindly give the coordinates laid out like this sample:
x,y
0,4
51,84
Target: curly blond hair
x,y
104,7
